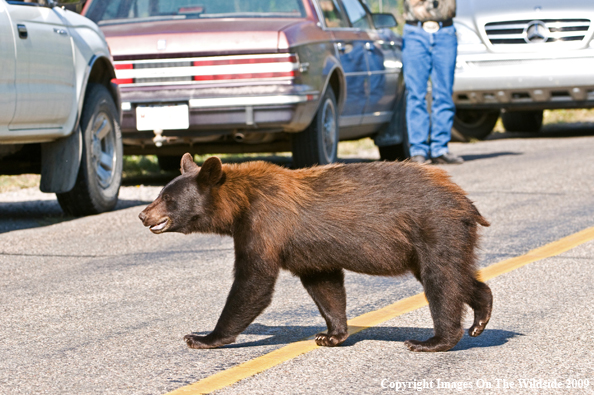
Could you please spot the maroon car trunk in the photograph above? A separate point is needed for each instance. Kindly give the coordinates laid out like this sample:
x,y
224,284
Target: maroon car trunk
x,y
180,38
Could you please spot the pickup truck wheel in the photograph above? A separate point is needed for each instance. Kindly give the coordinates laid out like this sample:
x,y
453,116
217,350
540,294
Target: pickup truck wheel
x,y
475,124
100,173
318,144
522,121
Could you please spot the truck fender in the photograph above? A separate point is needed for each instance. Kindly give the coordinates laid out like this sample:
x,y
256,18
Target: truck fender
x,y
60,161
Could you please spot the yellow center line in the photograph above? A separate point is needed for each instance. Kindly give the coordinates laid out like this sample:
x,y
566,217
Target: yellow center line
x,y
373,318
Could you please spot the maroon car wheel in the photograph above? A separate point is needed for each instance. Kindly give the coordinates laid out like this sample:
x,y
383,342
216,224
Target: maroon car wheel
x,y
318,144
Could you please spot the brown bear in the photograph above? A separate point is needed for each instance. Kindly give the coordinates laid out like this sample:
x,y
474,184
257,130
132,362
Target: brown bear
x,y
382,218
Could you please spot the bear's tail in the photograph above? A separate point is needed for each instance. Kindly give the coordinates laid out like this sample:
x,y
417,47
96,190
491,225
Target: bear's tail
x,y
479,218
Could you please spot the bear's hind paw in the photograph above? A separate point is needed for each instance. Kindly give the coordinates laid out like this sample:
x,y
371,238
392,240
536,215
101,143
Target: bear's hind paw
x,y
202,342
477,328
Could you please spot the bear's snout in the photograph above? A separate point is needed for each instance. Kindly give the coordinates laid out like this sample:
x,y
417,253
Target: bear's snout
x,y
155,219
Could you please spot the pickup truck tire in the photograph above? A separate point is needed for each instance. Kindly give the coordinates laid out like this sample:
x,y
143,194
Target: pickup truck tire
x,y
522,121
475,124
318,143
100,173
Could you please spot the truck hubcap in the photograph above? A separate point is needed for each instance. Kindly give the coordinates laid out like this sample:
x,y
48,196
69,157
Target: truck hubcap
x,y
103,150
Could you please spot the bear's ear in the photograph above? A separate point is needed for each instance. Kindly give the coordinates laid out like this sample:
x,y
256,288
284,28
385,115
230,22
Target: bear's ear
x,y
187,163
211,171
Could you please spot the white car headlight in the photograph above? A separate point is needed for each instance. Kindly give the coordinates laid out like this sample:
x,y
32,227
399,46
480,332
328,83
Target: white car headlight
x,y
466,36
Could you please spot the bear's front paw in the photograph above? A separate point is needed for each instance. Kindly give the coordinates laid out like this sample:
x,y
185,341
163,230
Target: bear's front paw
x,y
201,342
325,340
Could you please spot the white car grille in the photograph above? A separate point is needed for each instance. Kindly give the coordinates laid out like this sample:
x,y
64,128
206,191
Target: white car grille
x,y
537,31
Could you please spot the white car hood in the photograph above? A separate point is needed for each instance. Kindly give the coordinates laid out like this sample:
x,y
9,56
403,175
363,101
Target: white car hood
x,y
483,8
475,13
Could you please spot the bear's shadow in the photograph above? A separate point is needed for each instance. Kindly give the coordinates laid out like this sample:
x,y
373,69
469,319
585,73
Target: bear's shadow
x,y
277,335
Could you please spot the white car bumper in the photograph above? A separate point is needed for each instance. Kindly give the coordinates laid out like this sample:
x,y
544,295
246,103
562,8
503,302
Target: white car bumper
x,y
531,80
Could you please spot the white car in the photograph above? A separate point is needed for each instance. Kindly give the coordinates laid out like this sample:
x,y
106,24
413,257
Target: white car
x,y
59,111
521,57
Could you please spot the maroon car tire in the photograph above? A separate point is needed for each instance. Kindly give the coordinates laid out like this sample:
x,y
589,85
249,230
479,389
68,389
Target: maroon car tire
x,y
318,143
169,163
401,151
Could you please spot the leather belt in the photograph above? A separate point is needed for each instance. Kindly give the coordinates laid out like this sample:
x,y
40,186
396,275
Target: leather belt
x,y
431,26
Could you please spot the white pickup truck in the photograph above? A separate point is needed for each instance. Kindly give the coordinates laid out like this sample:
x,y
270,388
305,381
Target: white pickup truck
x,y
59,111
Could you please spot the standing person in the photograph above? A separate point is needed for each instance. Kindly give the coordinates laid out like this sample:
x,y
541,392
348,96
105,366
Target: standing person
x,y
430,49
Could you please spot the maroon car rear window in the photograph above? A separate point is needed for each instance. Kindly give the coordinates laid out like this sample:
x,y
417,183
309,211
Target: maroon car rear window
x,y
122,11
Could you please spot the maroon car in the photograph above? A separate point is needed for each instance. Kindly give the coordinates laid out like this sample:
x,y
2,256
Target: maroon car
x,y
227,76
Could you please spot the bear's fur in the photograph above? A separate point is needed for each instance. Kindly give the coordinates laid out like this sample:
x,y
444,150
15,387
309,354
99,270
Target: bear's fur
x,y
383,218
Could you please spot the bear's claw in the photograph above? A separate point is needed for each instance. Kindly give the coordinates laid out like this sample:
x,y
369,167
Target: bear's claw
x,y
198,342
325,340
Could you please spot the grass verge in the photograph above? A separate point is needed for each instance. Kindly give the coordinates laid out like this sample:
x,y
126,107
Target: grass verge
x,y
11,183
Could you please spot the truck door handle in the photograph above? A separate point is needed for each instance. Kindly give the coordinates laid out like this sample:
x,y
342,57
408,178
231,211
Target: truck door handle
x,y
22,29
341,47
61,32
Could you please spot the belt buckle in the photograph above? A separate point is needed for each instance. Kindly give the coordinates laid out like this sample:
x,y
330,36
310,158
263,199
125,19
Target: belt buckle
x,y
430,26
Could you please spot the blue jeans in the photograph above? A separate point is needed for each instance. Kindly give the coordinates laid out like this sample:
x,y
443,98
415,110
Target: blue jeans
x,y
423,55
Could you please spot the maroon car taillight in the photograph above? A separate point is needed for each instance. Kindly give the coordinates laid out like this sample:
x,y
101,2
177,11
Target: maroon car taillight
x,y
235,68
207,69
123,66
243,76
237,60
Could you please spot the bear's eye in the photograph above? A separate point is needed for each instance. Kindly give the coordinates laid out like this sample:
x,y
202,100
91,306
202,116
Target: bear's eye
x,y
166,198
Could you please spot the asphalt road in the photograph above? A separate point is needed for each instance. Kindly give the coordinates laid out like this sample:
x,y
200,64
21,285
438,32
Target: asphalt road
x,y
99,305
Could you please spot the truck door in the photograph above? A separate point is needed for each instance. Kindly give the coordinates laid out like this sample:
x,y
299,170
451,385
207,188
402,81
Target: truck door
x,y
7,65
45,77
